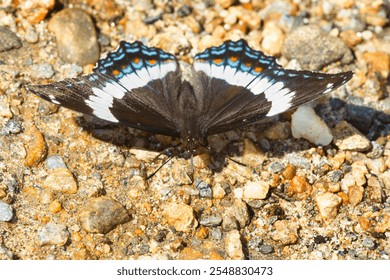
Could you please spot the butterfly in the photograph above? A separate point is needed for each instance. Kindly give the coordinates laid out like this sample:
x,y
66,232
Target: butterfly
x,y
227,87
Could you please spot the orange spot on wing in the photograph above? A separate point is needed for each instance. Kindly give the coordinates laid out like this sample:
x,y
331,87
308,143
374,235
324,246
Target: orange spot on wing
x,y
136,60
248,64
217,60
233,58
115,72
152,61
258,69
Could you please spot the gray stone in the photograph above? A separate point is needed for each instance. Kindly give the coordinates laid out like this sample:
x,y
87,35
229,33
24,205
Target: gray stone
x,y
8,40
53,234
314,49
204,189
54,161
76,36
210,221
102,214
266,249
6,212
42,71
11,127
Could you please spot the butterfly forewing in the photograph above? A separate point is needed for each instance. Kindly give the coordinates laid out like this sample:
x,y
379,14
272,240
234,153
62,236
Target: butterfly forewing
x,y
132,86
244,86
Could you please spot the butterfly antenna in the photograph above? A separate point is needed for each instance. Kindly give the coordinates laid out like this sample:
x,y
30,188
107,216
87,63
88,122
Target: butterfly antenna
x,y
167,152
158,169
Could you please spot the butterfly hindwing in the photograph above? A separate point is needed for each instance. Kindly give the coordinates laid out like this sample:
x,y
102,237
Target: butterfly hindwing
x,y
131,86
244,86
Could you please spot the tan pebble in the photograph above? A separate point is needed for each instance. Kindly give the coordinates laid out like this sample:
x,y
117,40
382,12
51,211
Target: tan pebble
x,y
273,38
219,32
328,205
344,197
347,137
180,216
255,190
373,190
2,193
37,149
359,170
350,38
233,245
55,207
364,222
61,180
376,166
5,111
286,232
347,182
218,191
299,188
355,194
202,232
190,254
36,10
379,62
337,160
251,155
102,214
289,172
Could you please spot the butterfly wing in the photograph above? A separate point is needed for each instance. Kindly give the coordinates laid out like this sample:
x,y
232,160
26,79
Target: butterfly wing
x,y
242,86
133,86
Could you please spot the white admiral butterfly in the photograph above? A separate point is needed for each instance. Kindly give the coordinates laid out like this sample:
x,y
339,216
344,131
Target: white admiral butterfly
x,y
230,86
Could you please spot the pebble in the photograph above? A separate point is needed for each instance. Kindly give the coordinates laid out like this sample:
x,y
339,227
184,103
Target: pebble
x,y
102,214
76,36
299,188
41,71
61,180
335,176
255,190
347,137
275,167
378,62
5,111
289,172
210,221
204,189
369,243
180,216
286,232
298,161
328,205
355,194
6,212
53,234
359,172
373,190
53,162
307,125
8,40
218,191
273,38
266,249
37,149
36,10
11,127
233,245
225,3
251,155
236,216
315,49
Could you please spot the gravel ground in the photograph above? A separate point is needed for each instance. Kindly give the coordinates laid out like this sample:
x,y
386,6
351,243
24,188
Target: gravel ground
x,y
74,187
